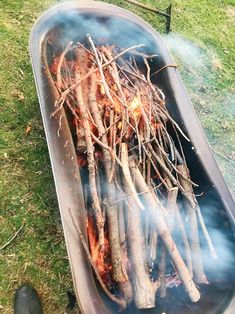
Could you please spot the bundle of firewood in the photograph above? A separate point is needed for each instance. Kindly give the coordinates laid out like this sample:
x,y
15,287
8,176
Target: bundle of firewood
x,y
142,214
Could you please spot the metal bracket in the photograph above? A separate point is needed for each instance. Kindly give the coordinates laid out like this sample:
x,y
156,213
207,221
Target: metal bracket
x,y
168,19
166,14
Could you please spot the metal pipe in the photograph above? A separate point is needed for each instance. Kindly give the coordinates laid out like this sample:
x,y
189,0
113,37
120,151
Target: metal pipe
x,y
144,6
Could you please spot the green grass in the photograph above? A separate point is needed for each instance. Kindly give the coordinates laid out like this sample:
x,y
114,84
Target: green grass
x,y
27,193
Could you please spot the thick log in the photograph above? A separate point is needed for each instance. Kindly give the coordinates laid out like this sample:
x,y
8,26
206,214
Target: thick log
x,y
82,66
144,289
162,272
91,163
153,245
122,223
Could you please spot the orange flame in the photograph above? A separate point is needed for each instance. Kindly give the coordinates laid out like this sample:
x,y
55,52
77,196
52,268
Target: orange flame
x,y
100,257
102,90
135,106
135,103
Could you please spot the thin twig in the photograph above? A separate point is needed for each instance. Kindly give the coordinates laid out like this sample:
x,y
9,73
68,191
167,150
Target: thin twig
x,y
104,65
223,156
12,238
164,67
60,125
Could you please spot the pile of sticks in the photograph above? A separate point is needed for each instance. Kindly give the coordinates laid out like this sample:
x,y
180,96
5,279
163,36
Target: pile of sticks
x,y
142,214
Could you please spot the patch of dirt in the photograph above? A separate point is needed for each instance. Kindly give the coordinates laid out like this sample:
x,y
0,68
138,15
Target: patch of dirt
x,y
217,64
231,13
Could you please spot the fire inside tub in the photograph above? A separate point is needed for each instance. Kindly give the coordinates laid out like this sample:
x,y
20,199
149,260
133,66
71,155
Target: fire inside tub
x,y
143,218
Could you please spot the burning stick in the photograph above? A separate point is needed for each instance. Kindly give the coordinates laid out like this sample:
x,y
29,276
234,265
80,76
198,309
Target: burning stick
x,y
81,143
82,63
144,289
91,163
153,244
105,85
122,223
126,173
120,302
162,272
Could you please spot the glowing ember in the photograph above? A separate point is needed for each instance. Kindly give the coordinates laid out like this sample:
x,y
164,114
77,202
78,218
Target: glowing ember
x,y
102,90
135,106
119,125
100,257
135,103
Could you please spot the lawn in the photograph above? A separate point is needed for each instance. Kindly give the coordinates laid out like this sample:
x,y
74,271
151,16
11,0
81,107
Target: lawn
x,y
202,42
